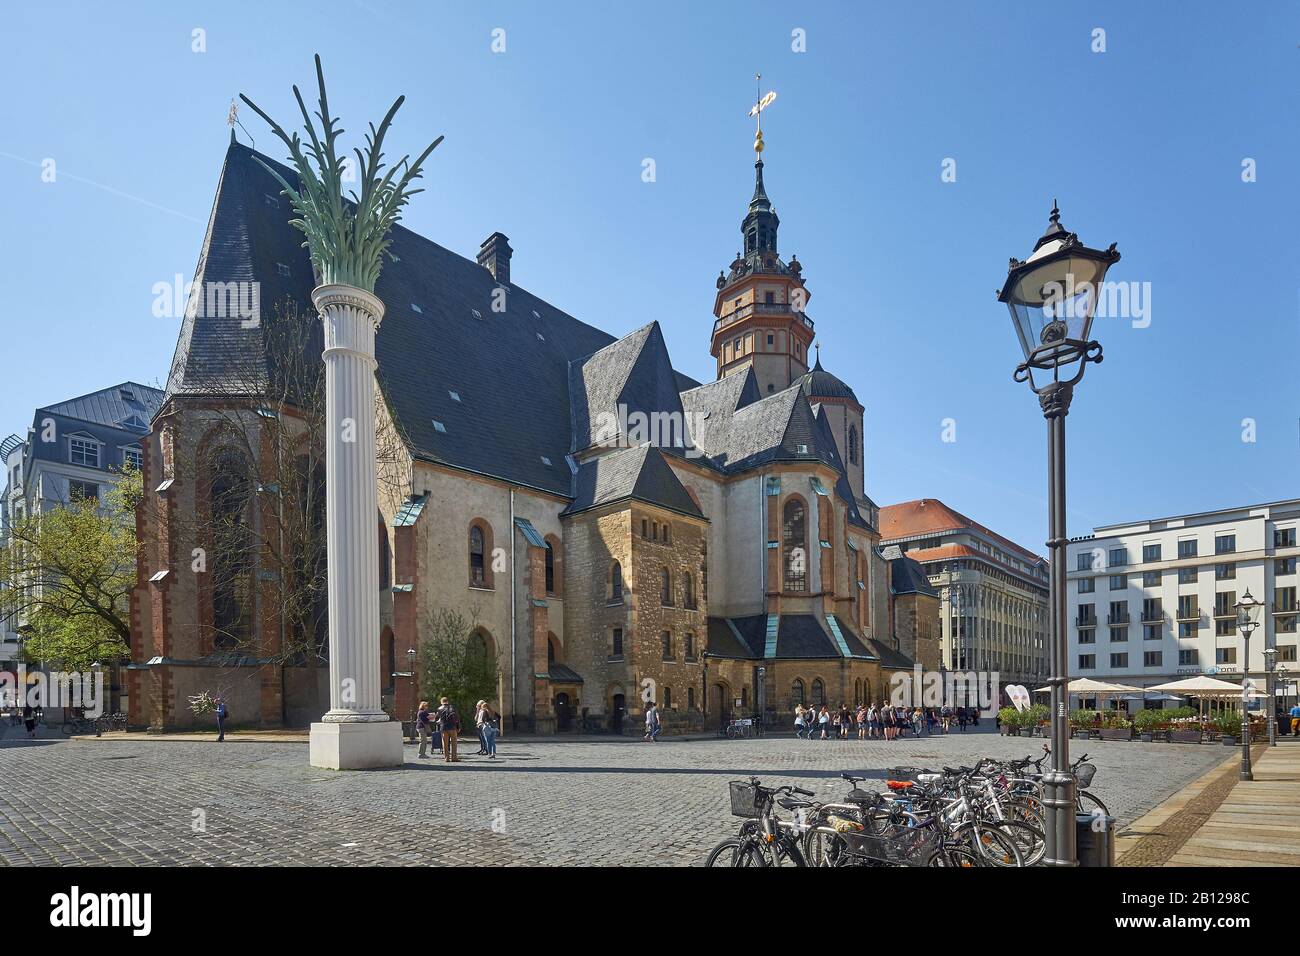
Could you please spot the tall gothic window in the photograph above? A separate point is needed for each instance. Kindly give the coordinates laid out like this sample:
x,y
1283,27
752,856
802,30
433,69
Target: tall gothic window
x,y
479,575
616,583
666,588
232,551
794,533
550,569
853,445
688,590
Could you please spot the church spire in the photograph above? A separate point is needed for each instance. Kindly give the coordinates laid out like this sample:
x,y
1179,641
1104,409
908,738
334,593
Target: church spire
x,y
760,224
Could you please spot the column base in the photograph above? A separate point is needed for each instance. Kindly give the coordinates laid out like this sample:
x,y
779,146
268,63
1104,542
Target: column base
x,y
356,746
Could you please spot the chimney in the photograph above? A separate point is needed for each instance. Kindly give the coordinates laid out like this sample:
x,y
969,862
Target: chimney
x,y
494,256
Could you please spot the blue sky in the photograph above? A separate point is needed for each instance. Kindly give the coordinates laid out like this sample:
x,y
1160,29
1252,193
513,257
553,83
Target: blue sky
x,y
1142,144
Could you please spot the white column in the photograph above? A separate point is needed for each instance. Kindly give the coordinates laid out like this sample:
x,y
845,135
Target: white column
x,y
355,733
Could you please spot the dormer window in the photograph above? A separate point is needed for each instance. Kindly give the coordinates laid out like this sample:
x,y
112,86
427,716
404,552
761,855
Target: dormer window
x,y
439,427
271,201
455,396
282,269
416,308
83,451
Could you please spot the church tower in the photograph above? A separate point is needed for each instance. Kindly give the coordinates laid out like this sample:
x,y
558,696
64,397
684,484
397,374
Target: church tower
x,y
759,309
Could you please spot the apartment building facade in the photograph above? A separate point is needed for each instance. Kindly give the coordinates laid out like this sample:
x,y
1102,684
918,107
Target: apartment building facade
x,y
993,611
1154,601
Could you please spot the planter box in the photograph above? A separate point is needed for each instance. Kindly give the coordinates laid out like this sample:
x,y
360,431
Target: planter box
x,y
1079,732
1229,741
1026,731
1146,738
1116,733
1185,736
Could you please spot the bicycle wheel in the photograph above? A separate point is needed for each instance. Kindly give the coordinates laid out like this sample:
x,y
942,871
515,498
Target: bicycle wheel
x,y
1087,804
952,855
734,851
1028,839
996,848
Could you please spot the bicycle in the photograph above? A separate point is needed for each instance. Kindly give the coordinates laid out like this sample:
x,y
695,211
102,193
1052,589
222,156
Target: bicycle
x,y
763,839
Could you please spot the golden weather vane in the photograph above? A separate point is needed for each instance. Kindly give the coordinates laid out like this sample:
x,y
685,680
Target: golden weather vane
x,y
761,102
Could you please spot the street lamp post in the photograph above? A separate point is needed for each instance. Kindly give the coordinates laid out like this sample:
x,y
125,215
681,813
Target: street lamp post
x,y
415,694
1270,662
1248,612
98,670
1052,297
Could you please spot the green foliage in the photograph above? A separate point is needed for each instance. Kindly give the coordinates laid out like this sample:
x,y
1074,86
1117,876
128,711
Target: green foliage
x,y
70,572
1115,720
1082,718
1147,721
1009,717
347,243
455,663
1227,722
1037,714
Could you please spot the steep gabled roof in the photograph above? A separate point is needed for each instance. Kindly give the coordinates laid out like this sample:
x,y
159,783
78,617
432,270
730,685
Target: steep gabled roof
x,y
931,516
639,474
115,407
908,577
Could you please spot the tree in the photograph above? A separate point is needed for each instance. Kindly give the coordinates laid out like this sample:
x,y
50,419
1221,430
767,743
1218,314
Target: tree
x,y
456,663
69,572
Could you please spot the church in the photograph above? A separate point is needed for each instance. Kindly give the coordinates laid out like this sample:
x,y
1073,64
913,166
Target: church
x,y
610,530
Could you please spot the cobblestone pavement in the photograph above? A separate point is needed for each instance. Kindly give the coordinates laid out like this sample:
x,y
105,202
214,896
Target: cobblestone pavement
x,y
541,801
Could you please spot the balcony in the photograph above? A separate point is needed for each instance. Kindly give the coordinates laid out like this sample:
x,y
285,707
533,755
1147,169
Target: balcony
x,y
1153,616
1189,614
1222,613
760,308
1117,619
1090,621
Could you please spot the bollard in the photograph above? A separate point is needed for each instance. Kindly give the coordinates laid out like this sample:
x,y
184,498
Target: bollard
x,y
1095,836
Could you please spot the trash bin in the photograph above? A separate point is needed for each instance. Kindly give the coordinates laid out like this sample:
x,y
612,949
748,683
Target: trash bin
x,y
1095,837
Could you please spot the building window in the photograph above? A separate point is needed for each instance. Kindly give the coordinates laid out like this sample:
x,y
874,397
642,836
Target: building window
x,y
1284,566
1225,655
1118,557
231,568
1087,662
1187,629
1225,543
132,458
1188,657
1118,582
1152,658
818,692
1284,537
83,451
666,639
1284,599
688,646
1119,660
1150,552
1118,635
480,546
83,491
796,692
616,644
1088,636
1087,585
1286,652
616,583
550,569
1153,632
1285,624
645,529
1087,616
1085,561
794,533
666,588
1187,575
1225,604
1151,579
1225,572
668,532
853,445
690,698
1187,548
1118,612
688,591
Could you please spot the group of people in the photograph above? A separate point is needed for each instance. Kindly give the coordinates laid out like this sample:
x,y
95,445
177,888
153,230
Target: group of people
x,y
29,717
446,721
883,721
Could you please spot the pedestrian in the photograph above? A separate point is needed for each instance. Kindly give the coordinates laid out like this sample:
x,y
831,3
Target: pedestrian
x,y
652,725
887,718
823,723
478,727
424,727
29,720
449,726
488,731
1295,719
862,721
962,719
223,713
798,721
873,719
918,722
846,721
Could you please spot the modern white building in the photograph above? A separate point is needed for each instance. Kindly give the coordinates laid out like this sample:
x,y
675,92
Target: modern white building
x,y
1153,601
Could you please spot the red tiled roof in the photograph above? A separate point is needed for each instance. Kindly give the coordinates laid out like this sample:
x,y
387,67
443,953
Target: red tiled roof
x,y
931,516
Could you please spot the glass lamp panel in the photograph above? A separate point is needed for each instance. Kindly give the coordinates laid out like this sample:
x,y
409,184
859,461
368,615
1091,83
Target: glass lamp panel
x,y
1056,287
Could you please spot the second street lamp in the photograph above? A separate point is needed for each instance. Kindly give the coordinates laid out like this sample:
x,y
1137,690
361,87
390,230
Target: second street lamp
x,y
1052,297
1270,662
1248,611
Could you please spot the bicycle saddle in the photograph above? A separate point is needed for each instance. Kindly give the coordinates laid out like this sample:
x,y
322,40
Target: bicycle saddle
x,y
929,777
790,803
899,784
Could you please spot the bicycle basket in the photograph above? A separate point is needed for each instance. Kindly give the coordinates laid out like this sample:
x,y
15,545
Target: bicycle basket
x,y
905,774
746,799
1084,774
894,846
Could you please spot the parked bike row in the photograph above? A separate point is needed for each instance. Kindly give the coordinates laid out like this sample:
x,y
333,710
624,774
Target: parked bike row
x,y
988,815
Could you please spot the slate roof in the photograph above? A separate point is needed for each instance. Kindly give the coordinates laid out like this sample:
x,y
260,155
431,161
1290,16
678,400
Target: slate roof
x,y
908,577
799,636
531,383
819,383
112,406
639,474
738,638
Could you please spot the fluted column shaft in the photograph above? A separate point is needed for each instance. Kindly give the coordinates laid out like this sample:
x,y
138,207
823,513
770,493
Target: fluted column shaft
x,y
351,316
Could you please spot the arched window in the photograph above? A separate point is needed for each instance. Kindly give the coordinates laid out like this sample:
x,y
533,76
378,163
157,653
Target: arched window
x,y
385,559
690,698
688,590
666,588
797,692
853,445
794,533
666,639
668,697
857,692
480,550
550,569
818,692
616,583
551,656
389,645
689,646
231,563
616,643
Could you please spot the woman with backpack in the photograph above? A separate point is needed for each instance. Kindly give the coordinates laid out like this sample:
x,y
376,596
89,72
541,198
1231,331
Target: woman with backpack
x,y
449,726
487,730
